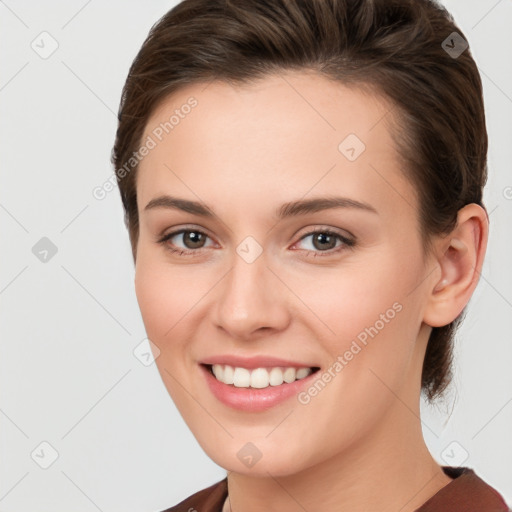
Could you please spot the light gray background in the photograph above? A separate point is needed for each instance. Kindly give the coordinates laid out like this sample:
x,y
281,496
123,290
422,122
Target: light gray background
x,y
69,326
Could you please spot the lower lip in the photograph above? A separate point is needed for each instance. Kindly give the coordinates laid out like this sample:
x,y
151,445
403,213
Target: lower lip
x,y
253,399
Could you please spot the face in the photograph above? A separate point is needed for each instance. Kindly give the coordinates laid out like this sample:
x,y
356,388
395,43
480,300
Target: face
x,y
336,287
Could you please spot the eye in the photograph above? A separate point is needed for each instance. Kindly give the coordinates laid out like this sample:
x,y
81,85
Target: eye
x,y
192,239
324,242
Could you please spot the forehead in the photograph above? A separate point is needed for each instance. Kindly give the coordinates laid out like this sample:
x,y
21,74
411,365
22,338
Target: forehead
x,y
290,133
290,102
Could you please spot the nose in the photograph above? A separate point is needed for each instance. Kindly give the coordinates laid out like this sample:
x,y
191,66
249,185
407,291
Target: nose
x,y
252,301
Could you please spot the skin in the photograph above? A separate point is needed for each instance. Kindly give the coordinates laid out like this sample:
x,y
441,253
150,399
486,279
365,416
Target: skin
x,y
244,151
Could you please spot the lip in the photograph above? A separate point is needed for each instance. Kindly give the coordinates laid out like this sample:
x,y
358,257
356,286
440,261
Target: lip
x,y
255,362
253,399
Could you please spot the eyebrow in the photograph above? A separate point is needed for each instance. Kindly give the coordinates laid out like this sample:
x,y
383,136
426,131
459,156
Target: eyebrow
x,y
290,209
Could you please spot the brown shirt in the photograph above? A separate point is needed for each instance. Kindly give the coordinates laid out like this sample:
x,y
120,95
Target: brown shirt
x,y
466,493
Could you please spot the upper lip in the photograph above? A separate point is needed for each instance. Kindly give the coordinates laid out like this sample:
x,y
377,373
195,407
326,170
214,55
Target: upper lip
x,y
254,361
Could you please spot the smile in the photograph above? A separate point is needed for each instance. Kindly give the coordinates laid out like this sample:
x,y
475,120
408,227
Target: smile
x,y
276,385
258,377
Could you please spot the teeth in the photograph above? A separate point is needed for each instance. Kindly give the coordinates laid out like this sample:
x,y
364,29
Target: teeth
x,y
242,378
276,377
259,377
228,376
303,372
289,375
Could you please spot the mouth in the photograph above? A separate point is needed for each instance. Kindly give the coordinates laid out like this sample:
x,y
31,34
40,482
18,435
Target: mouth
x,y
257,389
258,378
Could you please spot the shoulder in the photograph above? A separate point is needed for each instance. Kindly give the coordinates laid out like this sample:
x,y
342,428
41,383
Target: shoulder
x,y
209,499
467,492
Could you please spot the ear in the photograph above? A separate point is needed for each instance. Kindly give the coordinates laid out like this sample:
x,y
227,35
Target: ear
x,y
460,257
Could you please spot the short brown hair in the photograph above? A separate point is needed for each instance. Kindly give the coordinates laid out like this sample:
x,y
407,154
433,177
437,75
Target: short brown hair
x,y
399,47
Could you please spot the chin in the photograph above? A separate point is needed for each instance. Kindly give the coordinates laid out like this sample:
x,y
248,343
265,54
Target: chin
x,y
247,459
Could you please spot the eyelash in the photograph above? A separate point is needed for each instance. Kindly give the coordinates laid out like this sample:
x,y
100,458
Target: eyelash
x,y
347,243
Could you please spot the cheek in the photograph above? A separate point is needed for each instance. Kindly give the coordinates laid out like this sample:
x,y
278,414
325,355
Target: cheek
x,y
158,296
170,298
152,299
372,322
367,311
353,297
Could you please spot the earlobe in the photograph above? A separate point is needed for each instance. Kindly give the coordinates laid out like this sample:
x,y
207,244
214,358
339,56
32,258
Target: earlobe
x,y
460,257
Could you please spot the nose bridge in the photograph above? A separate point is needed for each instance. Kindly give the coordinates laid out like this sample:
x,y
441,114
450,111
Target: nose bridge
x,y
250,296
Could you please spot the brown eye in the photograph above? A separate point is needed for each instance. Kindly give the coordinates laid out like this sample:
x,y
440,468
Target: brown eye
x,y
193,239
184,241
324,241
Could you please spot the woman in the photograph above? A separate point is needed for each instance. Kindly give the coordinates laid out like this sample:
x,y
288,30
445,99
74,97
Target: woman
x,y
302,183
